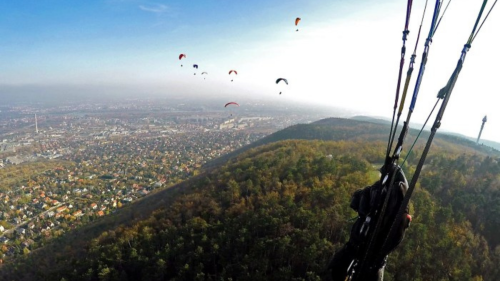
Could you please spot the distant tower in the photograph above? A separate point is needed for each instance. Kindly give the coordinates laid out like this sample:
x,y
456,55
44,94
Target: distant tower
x,y
482,127
36,124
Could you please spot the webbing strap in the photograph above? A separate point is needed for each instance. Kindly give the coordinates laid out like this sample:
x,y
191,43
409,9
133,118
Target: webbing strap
x,y
408,13
401,65
437,124
473,33
445,9
442,92
407,83
485,18
405,89
420,27
428,41
446,94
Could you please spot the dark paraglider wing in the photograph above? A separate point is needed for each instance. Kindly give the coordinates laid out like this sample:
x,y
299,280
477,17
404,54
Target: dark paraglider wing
x,y
195,66
181,56
282,79
233,71
231,103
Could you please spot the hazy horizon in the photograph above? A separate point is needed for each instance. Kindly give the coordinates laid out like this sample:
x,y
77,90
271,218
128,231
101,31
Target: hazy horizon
x,y
345,54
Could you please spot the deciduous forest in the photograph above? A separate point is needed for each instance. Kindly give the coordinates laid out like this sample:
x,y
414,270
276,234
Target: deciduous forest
x,y
278,212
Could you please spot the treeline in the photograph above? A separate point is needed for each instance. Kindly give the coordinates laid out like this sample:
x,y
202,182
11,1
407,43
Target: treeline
x,y
341,129
280,211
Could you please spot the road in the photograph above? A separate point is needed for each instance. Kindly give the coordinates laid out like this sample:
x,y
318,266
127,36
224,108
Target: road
x,y
28,221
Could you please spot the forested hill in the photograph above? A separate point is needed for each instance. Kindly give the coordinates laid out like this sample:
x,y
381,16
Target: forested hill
x,y
336,129
279,211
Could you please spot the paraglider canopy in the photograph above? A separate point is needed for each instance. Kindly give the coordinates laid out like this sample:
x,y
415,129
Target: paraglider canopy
x,y
181,56
204,72
281,79
233,71
195,66
229,103
297,20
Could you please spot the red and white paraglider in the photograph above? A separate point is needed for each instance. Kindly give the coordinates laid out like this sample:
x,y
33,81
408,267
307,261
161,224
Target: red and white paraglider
x,y
182,56
231,72
231,104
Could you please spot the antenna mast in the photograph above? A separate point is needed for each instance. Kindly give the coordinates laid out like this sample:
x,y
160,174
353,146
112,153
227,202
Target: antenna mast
x,y
481,131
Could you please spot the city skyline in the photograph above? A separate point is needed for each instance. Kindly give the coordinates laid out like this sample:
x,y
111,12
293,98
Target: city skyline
x,y
132,46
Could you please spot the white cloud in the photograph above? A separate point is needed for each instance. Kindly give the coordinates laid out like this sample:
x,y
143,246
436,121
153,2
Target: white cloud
x,y
156,8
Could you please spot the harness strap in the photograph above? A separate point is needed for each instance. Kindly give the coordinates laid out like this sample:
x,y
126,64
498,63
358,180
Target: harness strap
x,y
407,82
444,93
401,65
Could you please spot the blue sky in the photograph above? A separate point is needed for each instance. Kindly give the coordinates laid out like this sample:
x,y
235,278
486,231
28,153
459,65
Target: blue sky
x,y
346,53
55,37
79,41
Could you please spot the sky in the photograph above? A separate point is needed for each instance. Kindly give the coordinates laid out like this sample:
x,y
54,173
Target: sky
x,y
345,54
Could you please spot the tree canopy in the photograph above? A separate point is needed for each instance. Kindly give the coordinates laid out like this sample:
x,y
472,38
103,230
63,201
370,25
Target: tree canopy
x,y
278,212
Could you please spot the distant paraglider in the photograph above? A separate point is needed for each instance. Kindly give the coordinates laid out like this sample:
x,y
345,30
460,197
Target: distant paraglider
x,y
281,79
181,56
230,103
196,67
297,20
233,71
204,72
